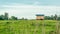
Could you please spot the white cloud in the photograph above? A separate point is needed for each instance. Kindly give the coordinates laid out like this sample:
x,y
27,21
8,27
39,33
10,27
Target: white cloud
x,y
36,3
29,11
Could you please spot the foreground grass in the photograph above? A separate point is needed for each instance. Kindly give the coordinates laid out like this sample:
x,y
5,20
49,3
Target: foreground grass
x,y
26,26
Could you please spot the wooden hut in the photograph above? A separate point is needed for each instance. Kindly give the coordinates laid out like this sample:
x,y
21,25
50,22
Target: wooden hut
x,y
39,16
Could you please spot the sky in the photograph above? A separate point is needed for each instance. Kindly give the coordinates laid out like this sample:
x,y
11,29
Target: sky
x,y
29,8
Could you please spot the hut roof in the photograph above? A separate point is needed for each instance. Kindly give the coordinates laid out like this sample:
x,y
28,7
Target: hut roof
x,y
39,14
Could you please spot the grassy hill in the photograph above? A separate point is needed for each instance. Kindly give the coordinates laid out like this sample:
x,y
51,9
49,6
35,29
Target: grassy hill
x,y
27,26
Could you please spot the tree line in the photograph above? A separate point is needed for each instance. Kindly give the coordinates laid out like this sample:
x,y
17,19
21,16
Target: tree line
x,y
52,17
6,17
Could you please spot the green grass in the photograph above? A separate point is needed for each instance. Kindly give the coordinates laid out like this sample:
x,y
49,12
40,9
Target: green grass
x,y
26,26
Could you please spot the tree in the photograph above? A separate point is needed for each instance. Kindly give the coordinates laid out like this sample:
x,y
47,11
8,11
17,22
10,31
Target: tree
x,y
1,17
22,18
6,16
55,17
58,18
13,18
52,17
47,18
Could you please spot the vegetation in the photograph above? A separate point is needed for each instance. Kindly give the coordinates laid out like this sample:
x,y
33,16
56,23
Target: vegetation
x,y
6,17
27,26
52,17
13,18
24,26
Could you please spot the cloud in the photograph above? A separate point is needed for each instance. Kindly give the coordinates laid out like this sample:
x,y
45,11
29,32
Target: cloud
x,y
29,11
37,3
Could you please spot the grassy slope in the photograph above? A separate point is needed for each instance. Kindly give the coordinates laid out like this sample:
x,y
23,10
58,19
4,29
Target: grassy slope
x,y
26,26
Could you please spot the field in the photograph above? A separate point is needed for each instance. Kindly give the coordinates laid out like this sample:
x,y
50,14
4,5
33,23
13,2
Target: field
x,y
27,26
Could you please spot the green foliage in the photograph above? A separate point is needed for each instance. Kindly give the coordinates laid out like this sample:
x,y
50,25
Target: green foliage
x,y
1,17
59,18
6,16
13,18
55,17
26,26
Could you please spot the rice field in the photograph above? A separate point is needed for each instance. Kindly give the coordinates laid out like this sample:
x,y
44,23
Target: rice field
x,y
27,26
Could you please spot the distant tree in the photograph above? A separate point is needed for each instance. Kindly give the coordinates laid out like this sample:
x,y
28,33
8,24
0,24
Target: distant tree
x,y
22,18
6,16
55,17
52,17
25,19
59,18
1,17
47,18
13,18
